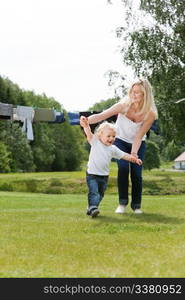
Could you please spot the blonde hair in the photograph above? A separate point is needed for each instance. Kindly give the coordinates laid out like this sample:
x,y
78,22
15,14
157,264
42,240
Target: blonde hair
x,y
104,125
149,103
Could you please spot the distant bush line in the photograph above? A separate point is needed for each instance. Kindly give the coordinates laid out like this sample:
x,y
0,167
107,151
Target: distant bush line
x,y
155,182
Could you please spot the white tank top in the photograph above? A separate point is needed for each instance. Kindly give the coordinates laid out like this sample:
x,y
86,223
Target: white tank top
x,y
127,129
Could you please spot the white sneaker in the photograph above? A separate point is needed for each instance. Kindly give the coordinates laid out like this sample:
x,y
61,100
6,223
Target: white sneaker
x,y
120,209
138,211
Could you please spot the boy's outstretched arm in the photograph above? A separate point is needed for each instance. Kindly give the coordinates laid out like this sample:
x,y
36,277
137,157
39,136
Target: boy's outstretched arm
x,y
85,124
132,159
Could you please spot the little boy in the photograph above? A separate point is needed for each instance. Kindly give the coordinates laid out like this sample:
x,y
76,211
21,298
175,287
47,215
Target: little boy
x,y
101,153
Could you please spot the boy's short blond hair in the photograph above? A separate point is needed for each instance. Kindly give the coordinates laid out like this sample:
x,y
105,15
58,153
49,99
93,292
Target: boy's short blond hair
x,y
104,125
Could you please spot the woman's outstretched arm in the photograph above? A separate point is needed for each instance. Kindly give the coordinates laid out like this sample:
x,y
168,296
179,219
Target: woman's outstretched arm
x,y
113,110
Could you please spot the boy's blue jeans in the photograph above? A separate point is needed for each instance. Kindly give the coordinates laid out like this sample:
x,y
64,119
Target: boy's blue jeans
x,y
124,168
96,187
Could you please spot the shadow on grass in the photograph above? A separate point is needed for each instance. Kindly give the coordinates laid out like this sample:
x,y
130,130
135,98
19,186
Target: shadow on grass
x,y
148,218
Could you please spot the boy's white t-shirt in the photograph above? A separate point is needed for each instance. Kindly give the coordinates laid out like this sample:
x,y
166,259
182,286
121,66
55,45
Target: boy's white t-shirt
x,y
100,157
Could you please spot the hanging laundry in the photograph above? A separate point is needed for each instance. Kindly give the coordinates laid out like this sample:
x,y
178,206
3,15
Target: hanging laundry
x,y
60,118
6,111
89,113
25,114
44,114
74,118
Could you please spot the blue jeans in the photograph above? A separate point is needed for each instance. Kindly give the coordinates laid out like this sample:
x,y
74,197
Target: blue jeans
x,y
124,168
97,185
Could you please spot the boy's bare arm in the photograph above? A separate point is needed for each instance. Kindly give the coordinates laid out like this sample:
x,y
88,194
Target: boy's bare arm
x,y
132,159
85,124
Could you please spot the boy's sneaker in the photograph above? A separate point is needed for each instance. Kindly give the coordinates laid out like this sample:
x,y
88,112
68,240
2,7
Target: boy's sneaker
x,y
120,209
94,213
138,211
88,212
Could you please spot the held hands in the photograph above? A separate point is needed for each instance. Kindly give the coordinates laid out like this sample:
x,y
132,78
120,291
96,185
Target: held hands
x,y
135,160
84,122
132,159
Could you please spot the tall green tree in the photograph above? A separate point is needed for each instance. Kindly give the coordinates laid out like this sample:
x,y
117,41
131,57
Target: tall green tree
x,y
171,151
152,157
153,39
43,147
69,153
17,144
103,104
55,146
5,158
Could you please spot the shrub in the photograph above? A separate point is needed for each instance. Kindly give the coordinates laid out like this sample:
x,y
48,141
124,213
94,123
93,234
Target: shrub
x,y
152,158
4,158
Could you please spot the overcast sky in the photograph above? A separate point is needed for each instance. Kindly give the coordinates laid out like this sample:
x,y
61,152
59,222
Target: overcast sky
x,y
61,48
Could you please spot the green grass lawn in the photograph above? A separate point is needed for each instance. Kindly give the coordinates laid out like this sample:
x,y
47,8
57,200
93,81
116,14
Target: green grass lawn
x,y
50,236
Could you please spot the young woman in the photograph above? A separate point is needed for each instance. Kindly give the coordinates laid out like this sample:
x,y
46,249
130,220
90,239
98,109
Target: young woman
x,y
135,115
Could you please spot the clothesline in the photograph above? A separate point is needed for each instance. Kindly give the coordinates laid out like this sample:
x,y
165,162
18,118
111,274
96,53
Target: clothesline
x,y
28,115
